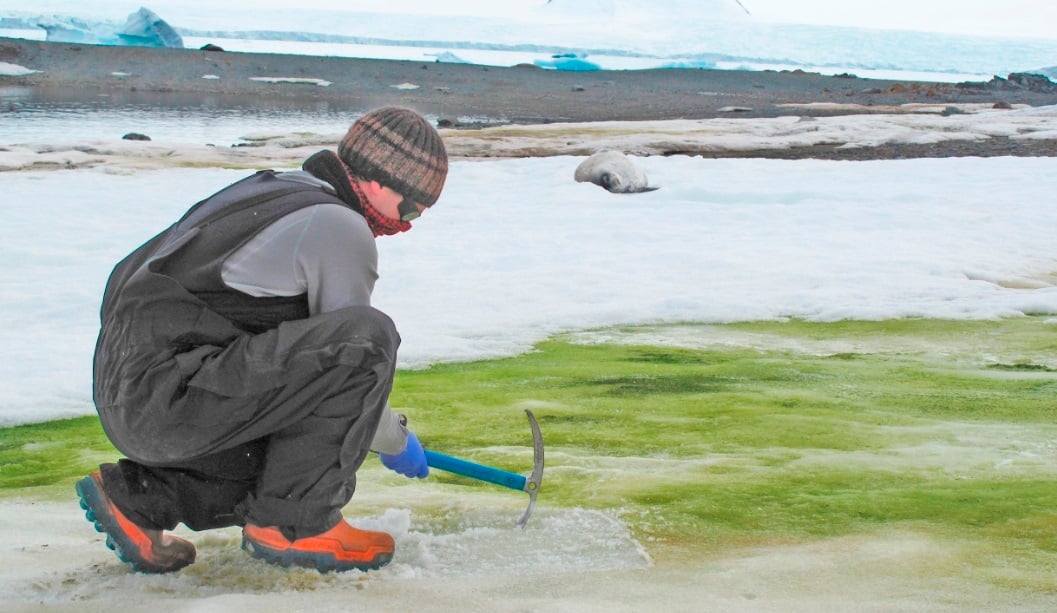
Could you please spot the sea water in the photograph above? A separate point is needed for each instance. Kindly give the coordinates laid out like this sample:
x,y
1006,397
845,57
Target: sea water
x,y
217,120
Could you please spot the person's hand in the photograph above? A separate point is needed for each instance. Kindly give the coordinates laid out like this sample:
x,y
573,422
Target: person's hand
x,y
411,462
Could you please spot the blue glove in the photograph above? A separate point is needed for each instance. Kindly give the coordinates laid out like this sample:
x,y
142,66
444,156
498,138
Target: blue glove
x,y
411,462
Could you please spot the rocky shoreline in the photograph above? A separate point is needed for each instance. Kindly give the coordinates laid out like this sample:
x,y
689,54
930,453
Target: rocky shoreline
x,y
466,97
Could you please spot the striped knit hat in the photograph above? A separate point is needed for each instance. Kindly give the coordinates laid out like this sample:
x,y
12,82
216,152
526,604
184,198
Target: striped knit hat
x,y
399,149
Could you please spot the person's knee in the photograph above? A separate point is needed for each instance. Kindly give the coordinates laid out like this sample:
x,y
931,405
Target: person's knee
x,y
369,322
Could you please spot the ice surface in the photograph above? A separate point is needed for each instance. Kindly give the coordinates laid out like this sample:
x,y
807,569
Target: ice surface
x,y
722,240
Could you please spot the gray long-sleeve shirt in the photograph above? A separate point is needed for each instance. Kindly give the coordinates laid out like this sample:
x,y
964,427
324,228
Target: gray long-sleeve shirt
x,y
326,251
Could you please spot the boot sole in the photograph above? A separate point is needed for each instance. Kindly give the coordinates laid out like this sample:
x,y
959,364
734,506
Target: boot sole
x,y
322,562
95,510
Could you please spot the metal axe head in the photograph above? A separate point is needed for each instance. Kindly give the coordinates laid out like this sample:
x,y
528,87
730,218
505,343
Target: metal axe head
x,y
535,480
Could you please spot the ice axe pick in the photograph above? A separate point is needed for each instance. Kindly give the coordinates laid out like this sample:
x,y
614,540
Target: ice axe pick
x,y
498,476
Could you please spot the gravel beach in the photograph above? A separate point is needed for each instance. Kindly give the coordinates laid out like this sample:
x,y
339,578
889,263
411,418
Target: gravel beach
x,y
467,97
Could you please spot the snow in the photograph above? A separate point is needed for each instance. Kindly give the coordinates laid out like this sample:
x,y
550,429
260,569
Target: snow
x,y
515,251
14,70
209,138
302,80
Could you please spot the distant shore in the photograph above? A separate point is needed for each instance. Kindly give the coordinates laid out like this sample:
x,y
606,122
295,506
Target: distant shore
x,y
470,96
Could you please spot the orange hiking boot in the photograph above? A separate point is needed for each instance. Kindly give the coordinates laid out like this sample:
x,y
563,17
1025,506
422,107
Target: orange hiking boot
x,y
339,549
146,551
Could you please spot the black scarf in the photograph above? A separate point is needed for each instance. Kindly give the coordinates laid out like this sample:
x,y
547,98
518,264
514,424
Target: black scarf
x,y
327,166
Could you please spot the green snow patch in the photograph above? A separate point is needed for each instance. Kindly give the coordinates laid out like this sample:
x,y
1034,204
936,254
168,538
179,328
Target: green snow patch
x,y
712,439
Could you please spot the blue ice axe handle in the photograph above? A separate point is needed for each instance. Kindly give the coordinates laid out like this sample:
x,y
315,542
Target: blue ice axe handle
x,y
498,476
475,471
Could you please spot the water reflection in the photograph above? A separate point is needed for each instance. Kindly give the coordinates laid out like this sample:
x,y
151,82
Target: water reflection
x,y
42,114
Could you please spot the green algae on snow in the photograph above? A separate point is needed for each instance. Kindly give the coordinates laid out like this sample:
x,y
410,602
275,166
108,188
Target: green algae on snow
x,y
50,453
709,437
776,432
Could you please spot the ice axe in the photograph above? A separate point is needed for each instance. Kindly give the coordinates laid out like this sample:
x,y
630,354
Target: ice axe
x,y
498,476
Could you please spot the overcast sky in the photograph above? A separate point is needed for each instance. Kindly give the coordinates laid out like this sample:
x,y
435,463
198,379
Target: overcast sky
x,y
1008,18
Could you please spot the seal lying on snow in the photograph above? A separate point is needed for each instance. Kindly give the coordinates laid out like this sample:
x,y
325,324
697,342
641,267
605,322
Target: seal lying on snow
x,y
614,171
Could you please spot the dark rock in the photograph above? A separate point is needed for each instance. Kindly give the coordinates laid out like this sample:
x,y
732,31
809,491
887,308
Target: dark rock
x,y
211,47
1034,82
135,136
1002,104
1016,81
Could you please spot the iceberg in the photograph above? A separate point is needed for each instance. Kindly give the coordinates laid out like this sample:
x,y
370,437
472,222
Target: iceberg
x,y
143,28
447,57
72,30
568,61
690,65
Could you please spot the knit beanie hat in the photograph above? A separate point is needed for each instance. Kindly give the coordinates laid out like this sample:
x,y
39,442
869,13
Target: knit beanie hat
x,y
399,149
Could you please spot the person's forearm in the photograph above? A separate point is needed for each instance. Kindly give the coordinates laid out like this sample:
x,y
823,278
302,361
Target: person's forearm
x,y
391,435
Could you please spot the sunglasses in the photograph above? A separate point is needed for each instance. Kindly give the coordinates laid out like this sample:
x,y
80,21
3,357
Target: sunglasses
x,y
408,210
